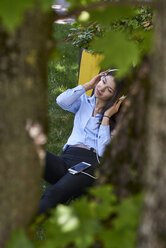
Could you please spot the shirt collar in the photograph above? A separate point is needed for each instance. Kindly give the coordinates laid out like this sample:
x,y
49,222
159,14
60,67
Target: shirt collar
x,y
92,101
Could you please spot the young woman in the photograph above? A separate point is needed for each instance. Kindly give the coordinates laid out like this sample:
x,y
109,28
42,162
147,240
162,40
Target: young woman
x,y
91,133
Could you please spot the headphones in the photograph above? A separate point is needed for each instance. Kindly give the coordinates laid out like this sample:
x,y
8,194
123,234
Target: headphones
x,y
109,72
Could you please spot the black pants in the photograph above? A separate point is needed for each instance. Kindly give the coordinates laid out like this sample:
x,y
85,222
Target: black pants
x,y
65,185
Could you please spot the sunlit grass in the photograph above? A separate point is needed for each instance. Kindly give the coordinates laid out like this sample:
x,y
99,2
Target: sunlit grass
x,y
63,74
60,68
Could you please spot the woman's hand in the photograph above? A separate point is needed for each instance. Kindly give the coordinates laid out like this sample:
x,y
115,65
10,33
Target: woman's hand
x,y
94,81
113,109
110,112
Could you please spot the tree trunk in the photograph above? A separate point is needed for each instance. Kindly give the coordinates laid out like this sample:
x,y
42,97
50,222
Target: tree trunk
x,y
138,148
124,158
153,225
23,101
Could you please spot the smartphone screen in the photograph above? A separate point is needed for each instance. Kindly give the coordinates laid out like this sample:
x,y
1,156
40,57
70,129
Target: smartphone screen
x,y
79,167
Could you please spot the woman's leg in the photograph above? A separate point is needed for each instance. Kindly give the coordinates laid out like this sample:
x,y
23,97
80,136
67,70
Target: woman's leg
x,y
68,187
55,168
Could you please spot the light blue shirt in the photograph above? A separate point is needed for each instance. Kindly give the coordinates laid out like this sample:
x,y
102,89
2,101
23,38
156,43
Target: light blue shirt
x,y
86,128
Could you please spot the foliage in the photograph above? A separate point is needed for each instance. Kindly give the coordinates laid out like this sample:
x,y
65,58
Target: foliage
x,y
81,3
143,19
123,35
106,15
121,52
80,222
81,36
19,239
11,12
124,227
85,222
83,33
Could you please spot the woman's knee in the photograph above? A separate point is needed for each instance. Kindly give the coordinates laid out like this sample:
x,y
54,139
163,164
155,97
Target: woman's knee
x,y
55,168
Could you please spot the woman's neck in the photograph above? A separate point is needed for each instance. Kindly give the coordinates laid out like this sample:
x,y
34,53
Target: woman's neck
x,y
98,107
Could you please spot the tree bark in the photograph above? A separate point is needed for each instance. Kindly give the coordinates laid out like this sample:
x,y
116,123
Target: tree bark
x,y
23,101
124,158
153,224
136,158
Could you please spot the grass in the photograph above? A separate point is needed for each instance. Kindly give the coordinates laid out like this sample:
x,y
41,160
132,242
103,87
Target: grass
x,y
62,74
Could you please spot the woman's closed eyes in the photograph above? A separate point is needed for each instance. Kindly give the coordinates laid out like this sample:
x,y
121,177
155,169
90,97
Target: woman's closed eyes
x,y
104,80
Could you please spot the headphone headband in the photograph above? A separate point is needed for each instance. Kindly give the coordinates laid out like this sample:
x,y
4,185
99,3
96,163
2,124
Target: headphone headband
x,y
110,71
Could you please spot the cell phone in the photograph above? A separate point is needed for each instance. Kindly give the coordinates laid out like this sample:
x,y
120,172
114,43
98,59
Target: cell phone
x,y
79,167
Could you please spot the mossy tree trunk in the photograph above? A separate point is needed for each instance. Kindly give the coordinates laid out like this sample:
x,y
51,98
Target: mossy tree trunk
x,y
124,158
23,101
153,224
136,158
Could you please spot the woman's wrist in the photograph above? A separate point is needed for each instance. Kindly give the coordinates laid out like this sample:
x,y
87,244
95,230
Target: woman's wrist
x,y
87,86
105,120
106,116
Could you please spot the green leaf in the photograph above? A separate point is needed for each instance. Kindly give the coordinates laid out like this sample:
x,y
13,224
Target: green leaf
x,y
66,218
80,3
104,192
147,45
19,239
105,15
118,239
124,226
71,224
11,12
118,51
85,235
106,199
131,207
46,5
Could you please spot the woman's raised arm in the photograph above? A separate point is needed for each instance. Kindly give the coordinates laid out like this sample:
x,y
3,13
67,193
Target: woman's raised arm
x,y
70,99
93,82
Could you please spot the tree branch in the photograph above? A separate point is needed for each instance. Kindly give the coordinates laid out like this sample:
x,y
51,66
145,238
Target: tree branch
x,y
77,11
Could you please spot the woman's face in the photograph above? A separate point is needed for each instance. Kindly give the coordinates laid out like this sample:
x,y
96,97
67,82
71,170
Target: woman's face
x,y
105,88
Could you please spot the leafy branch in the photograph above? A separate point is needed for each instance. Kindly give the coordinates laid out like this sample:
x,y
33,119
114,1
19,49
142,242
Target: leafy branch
x,y
77,11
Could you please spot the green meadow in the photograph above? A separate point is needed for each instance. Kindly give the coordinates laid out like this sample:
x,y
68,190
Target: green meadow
x,y
62,74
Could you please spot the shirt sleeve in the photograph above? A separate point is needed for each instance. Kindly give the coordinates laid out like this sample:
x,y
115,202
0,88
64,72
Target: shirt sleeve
x,y
104,138
70,99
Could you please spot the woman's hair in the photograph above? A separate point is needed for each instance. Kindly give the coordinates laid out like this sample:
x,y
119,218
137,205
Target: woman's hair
x,y
119,84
